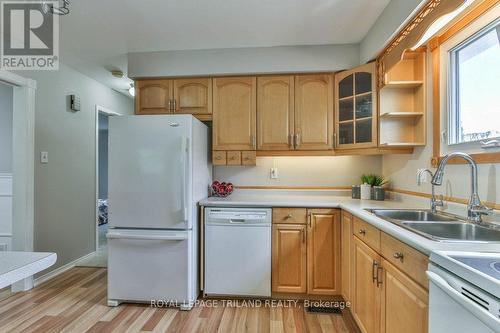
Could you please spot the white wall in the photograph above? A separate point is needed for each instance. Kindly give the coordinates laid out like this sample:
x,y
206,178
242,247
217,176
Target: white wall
x,y
393,17
457,181
65,187
302,171
280,59
5,210
6,109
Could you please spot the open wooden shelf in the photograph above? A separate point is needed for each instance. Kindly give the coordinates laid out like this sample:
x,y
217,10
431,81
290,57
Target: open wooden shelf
x,y
403,84
402,101
401,114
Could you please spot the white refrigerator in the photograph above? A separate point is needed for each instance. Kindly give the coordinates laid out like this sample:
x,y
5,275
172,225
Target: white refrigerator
x,y
158,171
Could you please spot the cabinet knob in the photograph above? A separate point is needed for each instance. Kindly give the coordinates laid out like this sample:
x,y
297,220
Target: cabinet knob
x,y
218,157
362,232
289,216
399,255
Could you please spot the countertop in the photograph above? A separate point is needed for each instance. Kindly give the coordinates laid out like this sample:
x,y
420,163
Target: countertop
x,y
335,199
15,266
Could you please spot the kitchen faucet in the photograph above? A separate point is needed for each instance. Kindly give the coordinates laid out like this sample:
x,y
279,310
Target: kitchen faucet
x,y
434,202
475,209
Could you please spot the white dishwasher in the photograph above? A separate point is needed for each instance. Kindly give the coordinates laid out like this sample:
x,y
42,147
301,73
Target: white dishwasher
x,y
238,251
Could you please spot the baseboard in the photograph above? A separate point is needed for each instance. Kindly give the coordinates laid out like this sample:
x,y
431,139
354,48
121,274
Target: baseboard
x,y
60,270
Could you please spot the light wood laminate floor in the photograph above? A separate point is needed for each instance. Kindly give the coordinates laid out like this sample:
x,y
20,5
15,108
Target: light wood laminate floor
x,y
75,301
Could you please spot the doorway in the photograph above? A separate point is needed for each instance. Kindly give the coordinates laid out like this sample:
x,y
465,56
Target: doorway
x,y
100,257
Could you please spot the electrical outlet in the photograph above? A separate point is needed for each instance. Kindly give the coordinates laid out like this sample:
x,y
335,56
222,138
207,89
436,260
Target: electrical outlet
x,y
274,173
44,157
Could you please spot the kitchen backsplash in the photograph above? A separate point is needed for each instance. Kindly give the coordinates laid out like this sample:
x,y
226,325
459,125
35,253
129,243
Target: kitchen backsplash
x,y
302,171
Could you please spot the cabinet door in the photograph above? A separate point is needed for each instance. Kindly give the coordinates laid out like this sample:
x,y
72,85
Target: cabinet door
x,y
345,255
366,294
313,112
275,112
193,96
289,258
356,105
404,303
234,113
323,252
153,96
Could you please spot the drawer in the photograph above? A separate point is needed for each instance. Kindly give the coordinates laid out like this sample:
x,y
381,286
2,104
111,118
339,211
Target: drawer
x,y
248,158
234,158
406,258
290,215
367,233
219,158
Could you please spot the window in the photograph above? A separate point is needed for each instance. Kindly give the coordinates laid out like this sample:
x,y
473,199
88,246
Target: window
x,y
474,99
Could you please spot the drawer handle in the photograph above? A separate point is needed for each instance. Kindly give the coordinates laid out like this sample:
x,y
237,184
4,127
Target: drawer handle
x,y
399,255
374,270
218,157
380,269
289,216
362,232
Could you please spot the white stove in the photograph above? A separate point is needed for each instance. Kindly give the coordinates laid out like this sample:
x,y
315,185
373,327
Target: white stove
x,y
464,292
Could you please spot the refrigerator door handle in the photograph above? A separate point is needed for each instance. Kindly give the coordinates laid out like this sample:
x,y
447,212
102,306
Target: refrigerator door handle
x,y
184,189
138,236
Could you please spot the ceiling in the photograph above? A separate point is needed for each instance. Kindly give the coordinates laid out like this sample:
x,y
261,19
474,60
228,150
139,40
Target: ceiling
x,y
97,35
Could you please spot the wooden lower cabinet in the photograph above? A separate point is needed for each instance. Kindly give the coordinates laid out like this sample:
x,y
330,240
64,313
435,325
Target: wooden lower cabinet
x,y
289,258
306,257
384,298
345,255
323,252
366,293
404,303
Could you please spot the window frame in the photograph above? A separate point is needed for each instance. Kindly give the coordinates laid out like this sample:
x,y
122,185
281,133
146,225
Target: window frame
x,y
474,20
452,109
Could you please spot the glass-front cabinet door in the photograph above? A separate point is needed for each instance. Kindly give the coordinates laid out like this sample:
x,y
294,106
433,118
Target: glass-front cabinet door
x,y
356,107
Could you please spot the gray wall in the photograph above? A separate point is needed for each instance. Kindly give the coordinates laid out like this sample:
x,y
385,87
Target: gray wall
x,y
65,187
103,156
387,25
5,128
279,59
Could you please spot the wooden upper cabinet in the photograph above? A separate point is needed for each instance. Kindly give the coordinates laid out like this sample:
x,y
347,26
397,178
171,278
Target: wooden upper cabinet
x,y
275,112
323,252
356,105
153,96
314,112
193,96
405,305
366,294
289,258
234,113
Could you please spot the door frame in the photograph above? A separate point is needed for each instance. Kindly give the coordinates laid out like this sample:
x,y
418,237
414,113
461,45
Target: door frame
x,y
99,110
23,166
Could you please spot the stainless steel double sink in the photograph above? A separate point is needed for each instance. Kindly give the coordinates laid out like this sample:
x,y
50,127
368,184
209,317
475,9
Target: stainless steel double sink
x,y
439,226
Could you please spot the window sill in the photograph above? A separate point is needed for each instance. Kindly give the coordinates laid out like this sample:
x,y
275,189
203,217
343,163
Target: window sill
x,y
479,158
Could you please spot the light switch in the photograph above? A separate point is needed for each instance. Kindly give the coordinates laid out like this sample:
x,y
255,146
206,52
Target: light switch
x,y
44,157
274,173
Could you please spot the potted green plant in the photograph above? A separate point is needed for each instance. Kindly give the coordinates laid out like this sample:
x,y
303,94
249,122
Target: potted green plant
x,y
377,185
